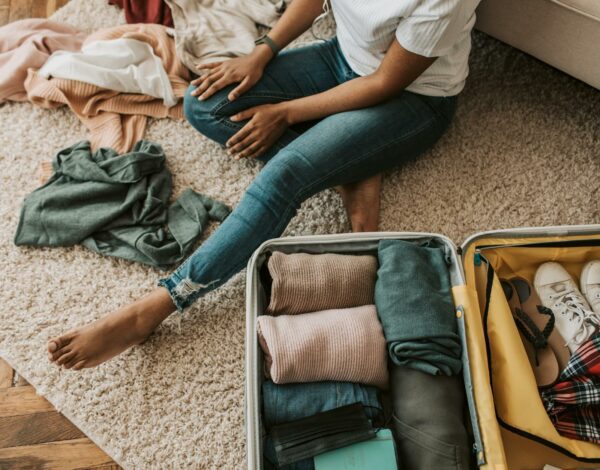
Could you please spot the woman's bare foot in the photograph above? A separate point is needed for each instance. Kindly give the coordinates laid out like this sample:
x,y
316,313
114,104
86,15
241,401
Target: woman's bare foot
x,y
361,200
103,339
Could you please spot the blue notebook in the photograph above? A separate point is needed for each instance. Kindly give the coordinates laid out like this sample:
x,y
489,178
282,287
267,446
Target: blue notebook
x,y
378,453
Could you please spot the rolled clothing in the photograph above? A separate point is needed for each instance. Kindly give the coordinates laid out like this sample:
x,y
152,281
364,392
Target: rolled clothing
x,y
116,205
290,402
345,345
305,282
428,420
414,302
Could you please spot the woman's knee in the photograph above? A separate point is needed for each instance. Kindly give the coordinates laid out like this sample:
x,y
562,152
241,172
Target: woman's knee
x,y
202,113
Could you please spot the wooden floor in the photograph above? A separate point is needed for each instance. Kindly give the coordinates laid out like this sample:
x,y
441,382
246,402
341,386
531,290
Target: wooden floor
x,y
12,10
33,435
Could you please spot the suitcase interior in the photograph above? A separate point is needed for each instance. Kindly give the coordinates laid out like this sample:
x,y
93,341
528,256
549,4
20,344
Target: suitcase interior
x,y
516,431
257,301
509,427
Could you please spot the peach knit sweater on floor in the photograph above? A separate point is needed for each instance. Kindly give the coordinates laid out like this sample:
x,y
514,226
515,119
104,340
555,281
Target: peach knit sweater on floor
x,y
345,345
116,120
304,282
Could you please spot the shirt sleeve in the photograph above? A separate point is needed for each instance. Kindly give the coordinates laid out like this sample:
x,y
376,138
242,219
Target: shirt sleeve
x,y
433,27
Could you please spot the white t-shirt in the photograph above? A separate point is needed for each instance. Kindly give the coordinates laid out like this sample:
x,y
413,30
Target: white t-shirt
x,y
431,28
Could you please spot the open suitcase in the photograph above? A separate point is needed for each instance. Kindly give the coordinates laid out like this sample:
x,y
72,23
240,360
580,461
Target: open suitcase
x,y
510,427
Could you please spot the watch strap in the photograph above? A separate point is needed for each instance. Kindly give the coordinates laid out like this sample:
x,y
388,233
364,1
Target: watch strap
x,y
265,39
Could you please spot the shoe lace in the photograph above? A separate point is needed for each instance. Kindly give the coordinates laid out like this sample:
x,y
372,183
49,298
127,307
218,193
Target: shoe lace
x,y
570,305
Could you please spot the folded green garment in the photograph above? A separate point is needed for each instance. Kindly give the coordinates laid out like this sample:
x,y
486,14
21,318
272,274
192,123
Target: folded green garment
x,y
377,453
116,205
415,307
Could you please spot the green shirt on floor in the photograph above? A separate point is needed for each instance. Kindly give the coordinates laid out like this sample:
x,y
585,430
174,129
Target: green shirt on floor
x,y
116,205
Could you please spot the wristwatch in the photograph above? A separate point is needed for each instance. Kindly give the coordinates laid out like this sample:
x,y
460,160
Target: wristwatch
x,y
264,39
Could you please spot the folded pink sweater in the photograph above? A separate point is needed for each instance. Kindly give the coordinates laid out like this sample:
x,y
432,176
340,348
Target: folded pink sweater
x,y
306,283
345,345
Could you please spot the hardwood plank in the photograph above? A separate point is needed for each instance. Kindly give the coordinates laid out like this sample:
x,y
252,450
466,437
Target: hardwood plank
x,y
6,371
4,14
112,466
53,5
39,9
18,401
36,428
76,453
19,381
20,9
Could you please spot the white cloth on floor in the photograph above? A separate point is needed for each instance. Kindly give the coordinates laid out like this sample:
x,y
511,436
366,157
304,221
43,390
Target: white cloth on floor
x,y
214,30
124,65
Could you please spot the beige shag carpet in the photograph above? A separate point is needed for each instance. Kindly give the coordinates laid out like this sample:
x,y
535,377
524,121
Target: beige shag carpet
x,y
524,150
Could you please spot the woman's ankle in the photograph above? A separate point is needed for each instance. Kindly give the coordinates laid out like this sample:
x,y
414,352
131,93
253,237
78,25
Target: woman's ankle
x,y
151,310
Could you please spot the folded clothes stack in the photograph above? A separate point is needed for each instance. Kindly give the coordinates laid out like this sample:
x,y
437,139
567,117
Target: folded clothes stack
x,y
324,335
415,306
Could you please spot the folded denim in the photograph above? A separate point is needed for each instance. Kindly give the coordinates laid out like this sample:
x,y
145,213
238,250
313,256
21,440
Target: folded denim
x,y
345,345
290,402
306,283
414,303
428,420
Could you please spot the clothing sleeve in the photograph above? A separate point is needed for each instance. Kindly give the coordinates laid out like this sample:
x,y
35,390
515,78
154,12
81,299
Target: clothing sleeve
x,y
433,27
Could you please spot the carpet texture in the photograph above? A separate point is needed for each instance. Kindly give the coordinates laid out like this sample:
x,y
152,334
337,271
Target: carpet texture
x,y
524,150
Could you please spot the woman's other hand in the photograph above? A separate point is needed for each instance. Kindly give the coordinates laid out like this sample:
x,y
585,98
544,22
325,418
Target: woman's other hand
x,y
245,70
266,123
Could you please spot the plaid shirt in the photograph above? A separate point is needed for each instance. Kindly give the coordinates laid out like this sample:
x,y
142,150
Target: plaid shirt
x,y
573,403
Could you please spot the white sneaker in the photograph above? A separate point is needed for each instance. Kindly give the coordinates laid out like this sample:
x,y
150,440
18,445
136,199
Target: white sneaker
x,y
574,318
590,284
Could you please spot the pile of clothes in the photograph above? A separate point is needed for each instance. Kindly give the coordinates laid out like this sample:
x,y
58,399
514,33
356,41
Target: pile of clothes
x,y
379,330
113,80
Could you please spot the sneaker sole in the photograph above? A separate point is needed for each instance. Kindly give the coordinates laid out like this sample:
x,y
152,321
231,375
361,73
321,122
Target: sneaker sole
x,y
584,273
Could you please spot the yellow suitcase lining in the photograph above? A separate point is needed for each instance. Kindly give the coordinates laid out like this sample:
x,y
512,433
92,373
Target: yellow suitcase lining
x,y
494,344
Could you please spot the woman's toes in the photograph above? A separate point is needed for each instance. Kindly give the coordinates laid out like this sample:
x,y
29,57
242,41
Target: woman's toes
x,y
80,365
52,346
55,356
65,358
55,344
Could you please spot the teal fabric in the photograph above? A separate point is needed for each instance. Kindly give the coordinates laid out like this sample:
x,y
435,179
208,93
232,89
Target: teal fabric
x,y
116,205
415,307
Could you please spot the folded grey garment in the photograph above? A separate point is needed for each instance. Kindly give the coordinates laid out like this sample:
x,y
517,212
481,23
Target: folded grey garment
x,y
429,420
304,282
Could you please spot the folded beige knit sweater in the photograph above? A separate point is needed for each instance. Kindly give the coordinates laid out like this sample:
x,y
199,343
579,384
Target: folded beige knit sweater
x,y
305,283
345,345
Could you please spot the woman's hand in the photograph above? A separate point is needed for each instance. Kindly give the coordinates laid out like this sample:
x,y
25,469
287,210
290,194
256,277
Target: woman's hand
x,y
266,124
245,70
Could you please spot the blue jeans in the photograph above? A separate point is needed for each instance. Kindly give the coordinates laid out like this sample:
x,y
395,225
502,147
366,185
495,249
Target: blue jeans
x,y
308,158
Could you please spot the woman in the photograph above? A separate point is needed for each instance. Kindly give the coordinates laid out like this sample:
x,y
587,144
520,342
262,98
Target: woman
x,y
332,113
